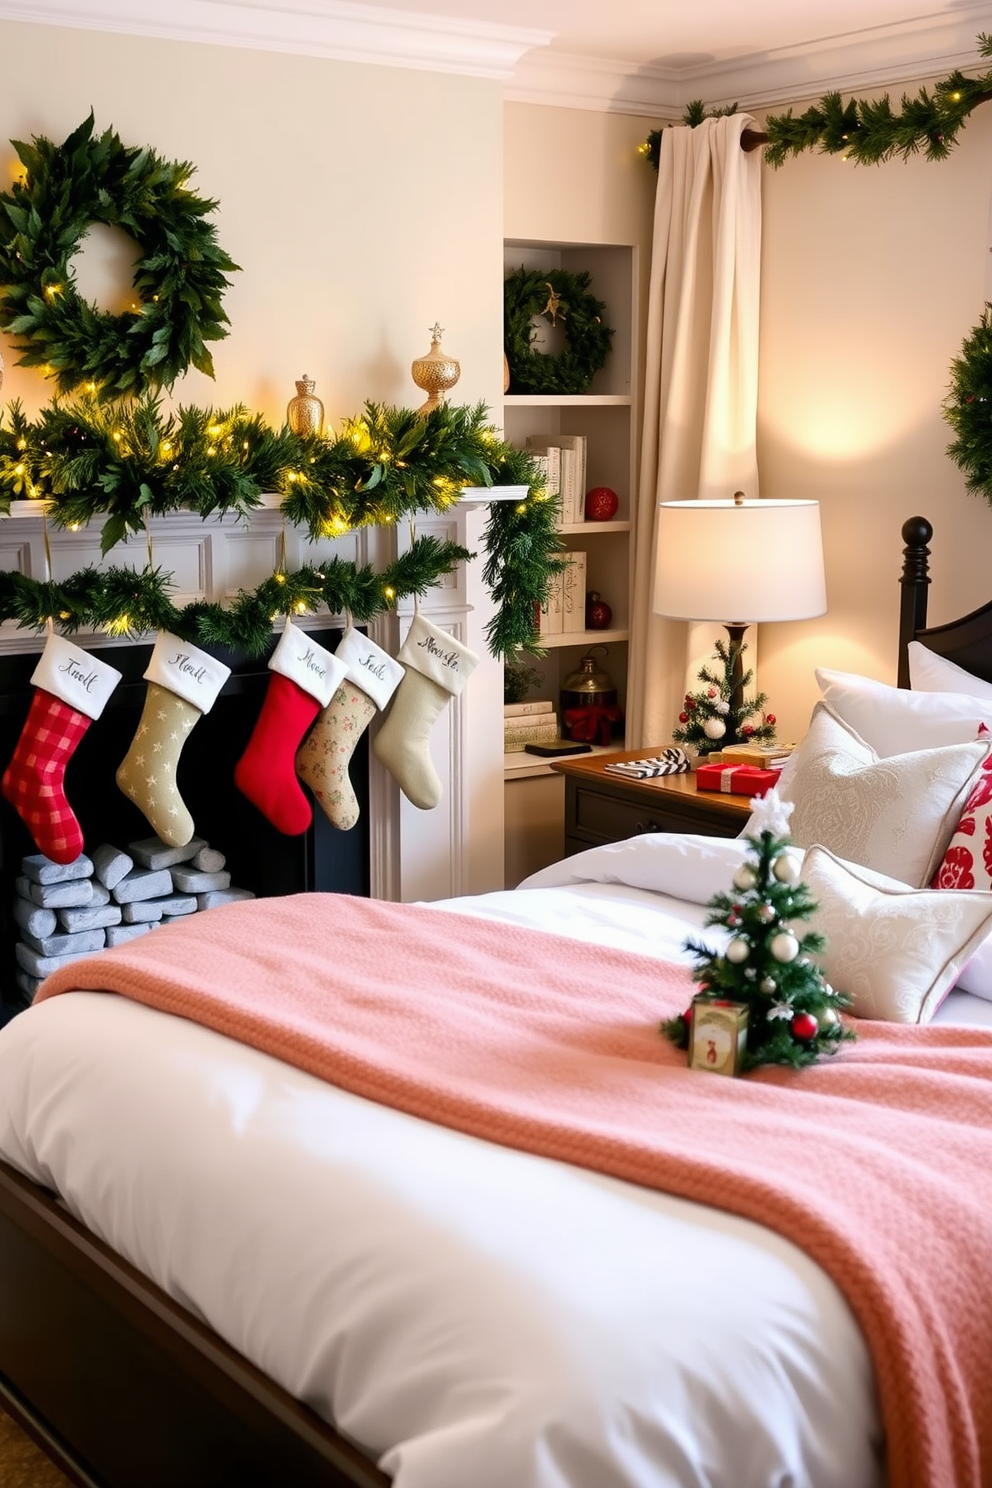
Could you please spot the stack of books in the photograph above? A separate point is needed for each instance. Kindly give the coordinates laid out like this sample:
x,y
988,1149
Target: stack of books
x,y
534,722
562,458
564,612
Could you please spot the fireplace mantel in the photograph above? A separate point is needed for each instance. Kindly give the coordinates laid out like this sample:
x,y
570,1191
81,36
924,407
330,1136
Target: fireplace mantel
x,y
458,847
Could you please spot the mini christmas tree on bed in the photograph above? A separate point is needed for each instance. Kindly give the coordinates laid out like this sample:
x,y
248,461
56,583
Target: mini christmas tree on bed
x,y
793,1012
710,720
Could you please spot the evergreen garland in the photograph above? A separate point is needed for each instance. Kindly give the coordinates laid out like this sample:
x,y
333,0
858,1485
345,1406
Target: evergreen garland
x,y
559,297
968,408
130,602
129,460
178,280
711,706
866,131
794,1015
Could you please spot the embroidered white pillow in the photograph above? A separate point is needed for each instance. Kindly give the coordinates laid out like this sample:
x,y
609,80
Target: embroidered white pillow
x,y
894,720
892,815
928,671
894,950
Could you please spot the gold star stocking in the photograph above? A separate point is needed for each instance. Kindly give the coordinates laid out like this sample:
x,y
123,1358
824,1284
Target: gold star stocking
x,y
183,683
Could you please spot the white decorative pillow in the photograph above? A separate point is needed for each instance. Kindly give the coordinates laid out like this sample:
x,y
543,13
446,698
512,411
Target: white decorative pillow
x,y
894,950
894,720
933,673
893,815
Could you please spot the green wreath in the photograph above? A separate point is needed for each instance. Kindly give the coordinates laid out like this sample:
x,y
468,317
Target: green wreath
x,y
179,278
563,299
968,406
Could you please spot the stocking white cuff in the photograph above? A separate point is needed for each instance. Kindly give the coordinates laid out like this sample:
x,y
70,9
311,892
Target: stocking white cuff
x,y
300,659
187,671
437,655
74,676
369,667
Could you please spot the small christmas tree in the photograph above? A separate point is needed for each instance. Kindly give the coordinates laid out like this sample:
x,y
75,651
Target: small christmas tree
x,y
793,1013
709,720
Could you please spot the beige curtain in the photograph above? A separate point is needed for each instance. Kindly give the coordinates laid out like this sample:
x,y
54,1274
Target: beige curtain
x,y
701,388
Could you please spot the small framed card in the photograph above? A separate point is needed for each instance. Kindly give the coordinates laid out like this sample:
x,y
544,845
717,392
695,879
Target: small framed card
x,y
719,1035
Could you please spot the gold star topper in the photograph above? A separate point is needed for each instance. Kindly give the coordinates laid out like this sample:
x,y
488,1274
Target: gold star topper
x,y
555,306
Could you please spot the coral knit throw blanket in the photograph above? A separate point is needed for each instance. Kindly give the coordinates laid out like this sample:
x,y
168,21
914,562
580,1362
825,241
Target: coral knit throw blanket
x,y
878,1163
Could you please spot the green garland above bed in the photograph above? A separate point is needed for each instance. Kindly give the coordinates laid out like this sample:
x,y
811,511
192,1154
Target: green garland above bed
x,y
867,131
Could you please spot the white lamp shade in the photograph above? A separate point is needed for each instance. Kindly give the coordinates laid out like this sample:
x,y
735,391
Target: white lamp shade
x,y
739,561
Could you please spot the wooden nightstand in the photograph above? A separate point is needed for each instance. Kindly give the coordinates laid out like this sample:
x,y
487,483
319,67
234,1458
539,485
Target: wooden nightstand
x,y
601,807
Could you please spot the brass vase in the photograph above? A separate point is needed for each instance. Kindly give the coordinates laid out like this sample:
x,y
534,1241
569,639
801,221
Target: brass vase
x,y
436,373
305,412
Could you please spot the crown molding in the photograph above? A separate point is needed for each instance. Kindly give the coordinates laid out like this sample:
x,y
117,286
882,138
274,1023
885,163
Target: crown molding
x,y
873,58
341,30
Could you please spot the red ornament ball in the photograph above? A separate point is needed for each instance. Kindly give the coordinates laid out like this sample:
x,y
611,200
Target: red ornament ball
x,y
770,718
805,1027
598,612
711,692
602,504
747,730
683,718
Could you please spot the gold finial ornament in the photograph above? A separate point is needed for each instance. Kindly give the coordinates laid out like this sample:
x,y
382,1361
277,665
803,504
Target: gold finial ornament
x,y
305,412
436,373
555,306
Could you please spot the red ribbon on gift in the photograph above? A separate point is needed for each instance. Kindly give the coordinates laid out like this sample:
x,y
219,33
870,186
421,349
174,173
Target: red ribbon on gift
x,y
584,724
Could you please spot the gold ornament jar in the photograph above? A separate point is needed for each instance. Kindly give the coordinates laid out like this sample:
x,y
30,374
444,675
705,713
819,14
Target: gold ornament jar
x,y
305,412
436,373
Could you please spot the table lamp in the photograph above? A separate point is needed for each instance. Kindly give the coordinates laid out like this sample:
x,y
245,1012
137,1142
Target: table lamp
x,y
762,560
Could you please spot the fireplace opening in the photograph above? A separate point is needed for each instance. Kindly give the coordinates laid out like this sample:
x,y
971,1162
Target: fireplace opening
x,y
260,858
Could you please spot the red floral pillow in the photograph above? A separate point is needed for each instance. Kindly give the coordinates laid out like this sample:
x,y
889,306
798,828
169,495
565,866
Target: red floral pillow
x,y
967,863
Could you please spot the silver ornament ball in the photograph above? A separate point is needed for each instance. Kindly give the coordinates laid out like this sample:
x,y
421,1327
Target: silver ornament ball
x,y
785,869
738,950
768,985
784,946
745,878
714,728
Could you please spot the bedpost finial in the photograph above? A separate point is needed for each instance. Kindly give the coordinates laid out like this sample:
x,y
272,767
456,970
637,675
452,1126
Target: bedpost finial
x,y
916,532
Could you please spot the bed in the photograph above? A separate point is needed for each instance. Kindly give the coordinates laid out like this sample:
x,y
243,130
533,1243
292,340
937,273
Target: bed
x,y
447,1345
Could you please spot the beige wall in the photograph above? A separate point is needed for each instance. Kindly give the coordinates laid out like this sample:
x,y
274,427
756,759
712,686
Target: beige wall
x,y
871,279
362,203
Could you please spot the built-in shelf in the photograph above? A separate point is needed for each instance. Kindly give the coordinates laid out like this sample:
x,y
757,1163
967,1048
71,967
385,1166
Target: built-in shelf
x,y
584,638
567,400
607,418
594,529
520,766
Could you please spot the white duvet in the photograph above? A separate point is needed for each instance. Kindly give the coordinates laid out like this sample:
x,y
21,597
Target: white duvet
x,y
467,1314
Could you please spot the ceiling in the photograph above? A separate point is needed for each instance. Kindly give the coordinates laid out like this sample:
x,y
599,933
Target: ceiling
x,y
634,56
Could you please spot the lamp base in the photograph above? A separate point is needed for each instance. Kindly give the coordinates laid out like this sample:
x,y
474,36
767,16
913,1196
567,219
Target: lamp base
x,y
736,634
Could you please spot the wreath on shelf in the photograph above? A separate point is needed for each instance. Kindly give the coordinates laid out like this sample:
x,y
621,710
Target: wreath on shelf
x,y
179,278
564,300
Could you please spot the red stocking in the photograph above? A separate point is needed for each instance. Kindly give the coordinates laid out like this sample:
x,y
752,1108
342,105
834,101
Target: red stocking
x,y
304,678
71,690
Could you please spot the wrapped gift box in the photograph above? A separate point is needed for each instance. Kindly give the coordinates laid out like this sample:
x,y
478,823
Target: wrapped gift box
x,y
736,780
764,756
719,1035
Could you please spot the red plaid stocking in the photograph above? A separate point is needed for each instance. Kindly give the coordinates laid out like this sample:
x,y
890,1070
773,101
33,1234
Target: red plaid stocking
x,y
33,782
71,689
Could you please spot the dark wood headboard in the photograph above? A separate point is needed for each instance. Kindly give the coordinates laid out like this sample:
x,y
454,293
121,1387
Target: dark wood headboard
x,y
967,641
